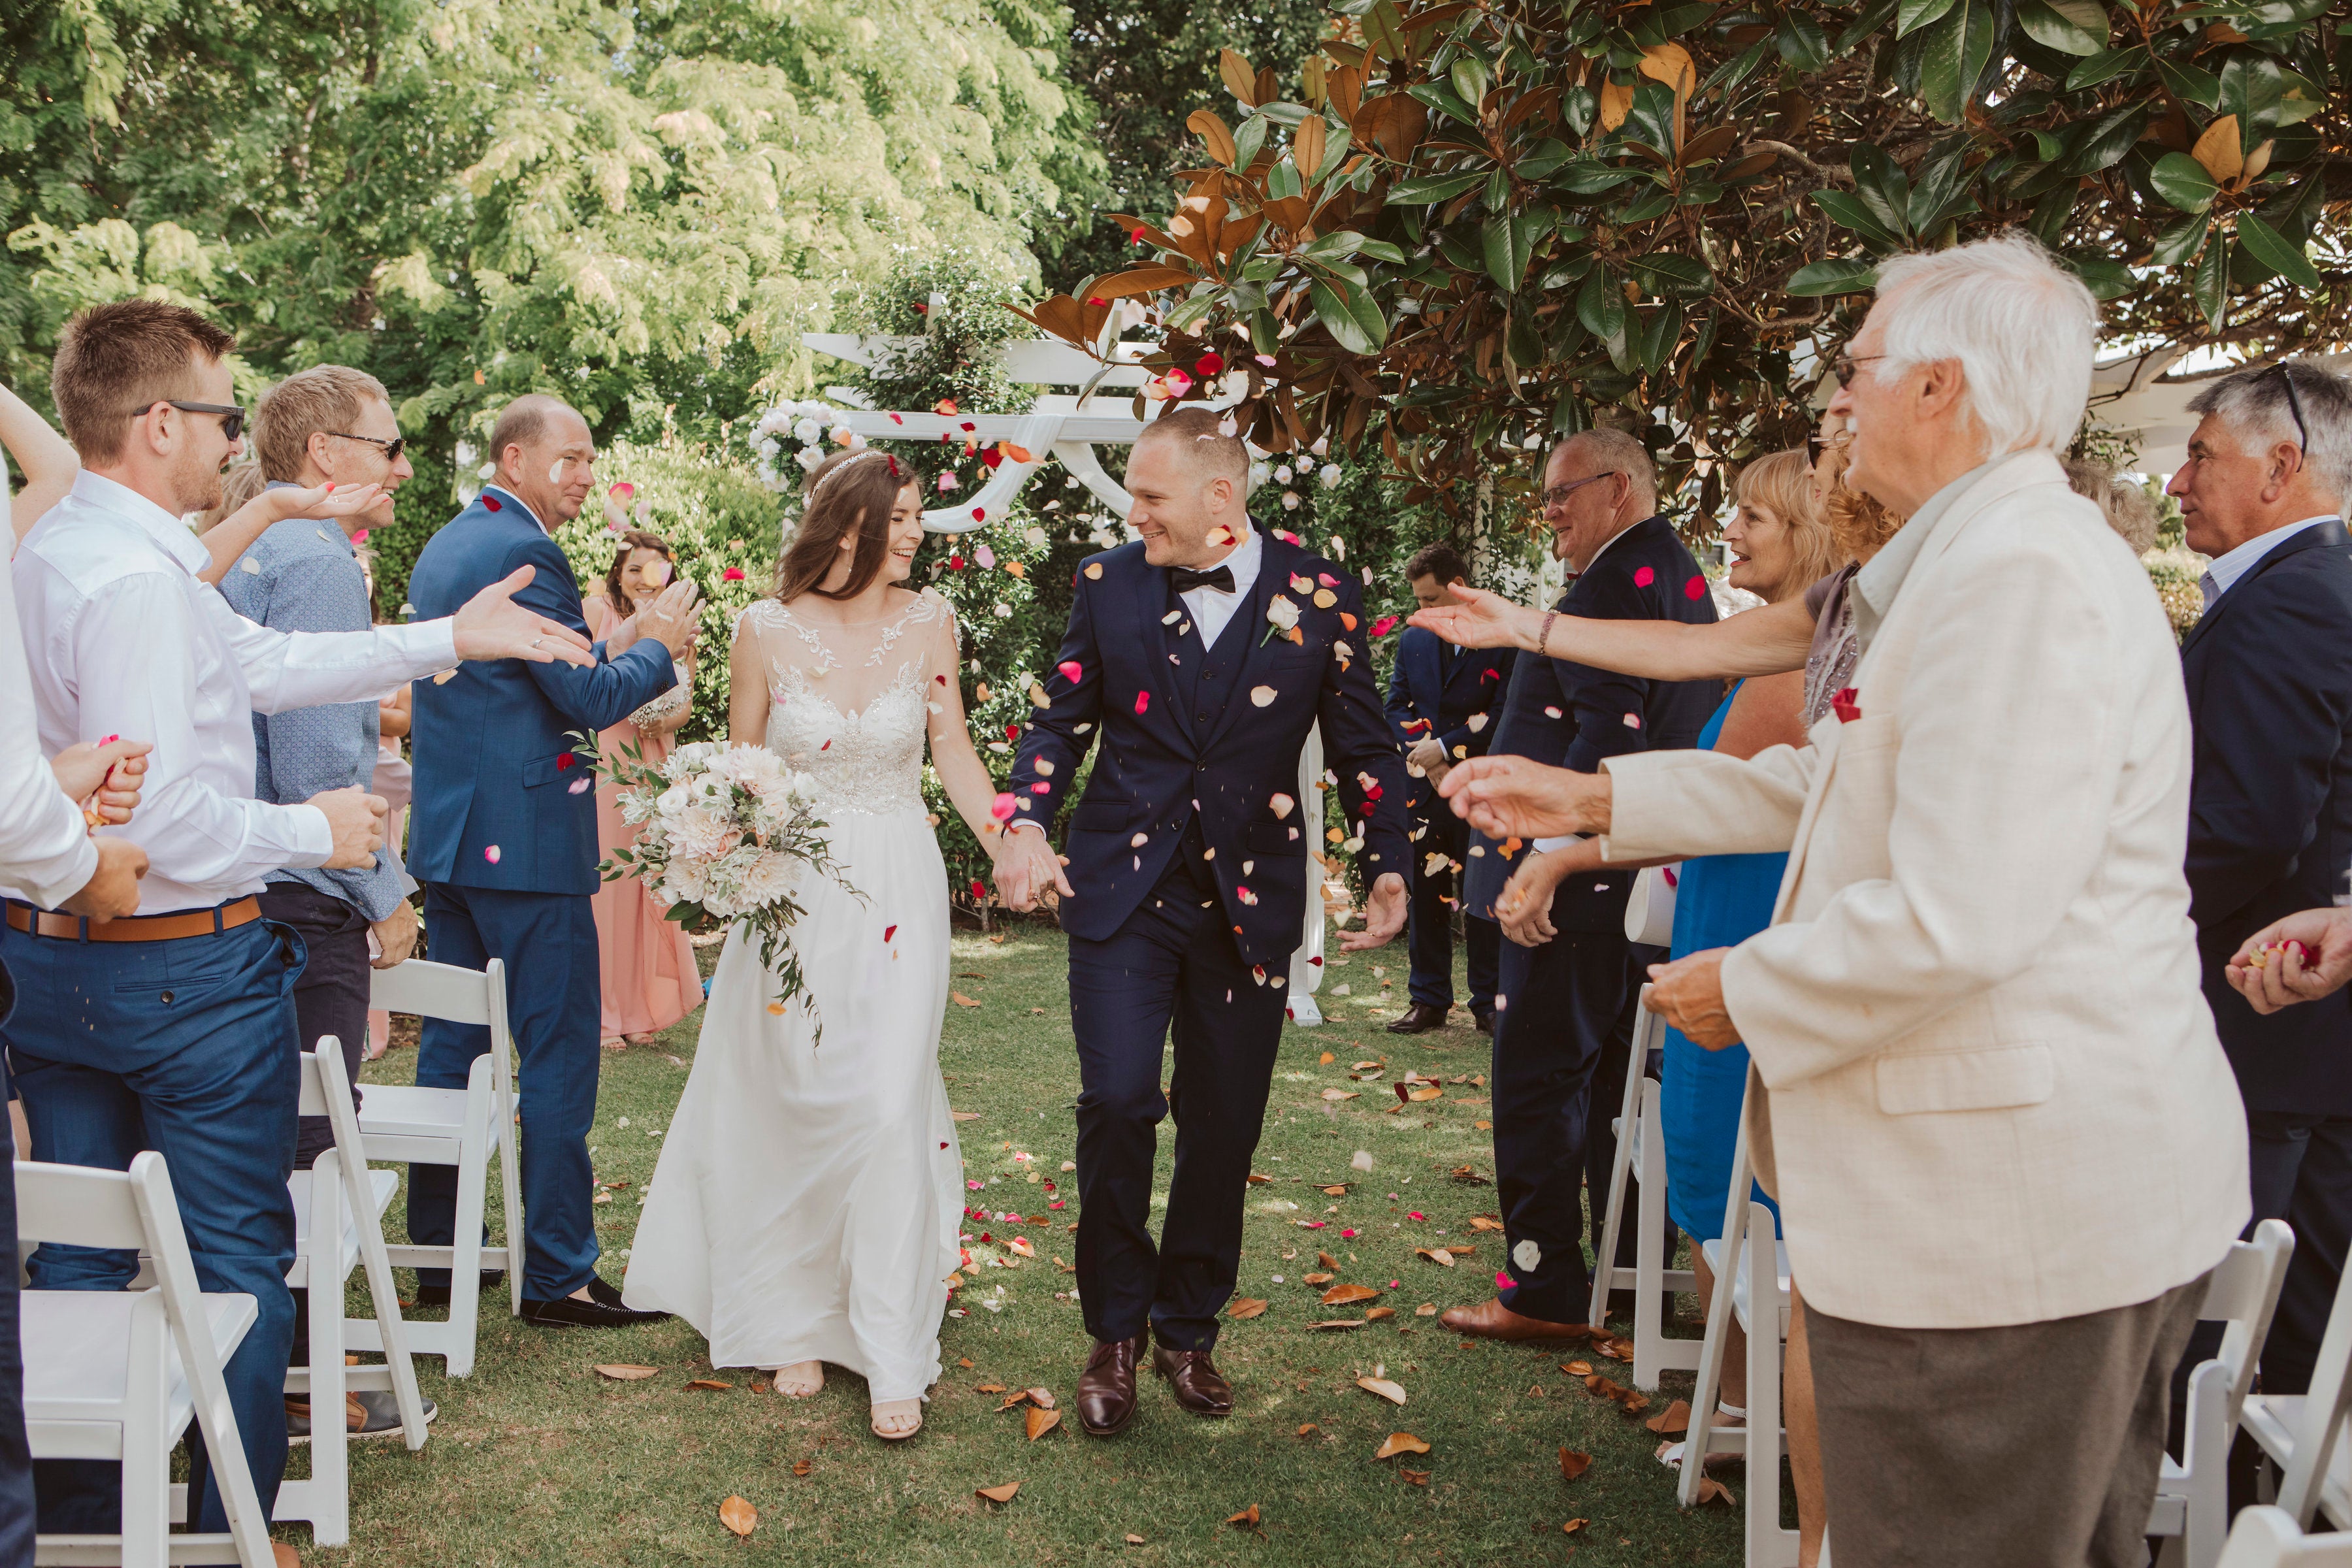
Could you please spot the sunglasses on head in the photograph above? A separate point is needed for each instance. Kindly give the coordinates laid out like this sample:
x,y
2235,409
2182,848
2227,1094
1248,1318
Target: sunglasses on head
x,y
1816,444
391,449
2293,405
232,417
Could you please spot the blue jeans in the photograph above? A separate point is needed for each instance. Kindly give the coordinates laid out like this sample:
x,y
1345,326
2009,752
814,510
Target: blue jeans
x,y
179,1046
555,1006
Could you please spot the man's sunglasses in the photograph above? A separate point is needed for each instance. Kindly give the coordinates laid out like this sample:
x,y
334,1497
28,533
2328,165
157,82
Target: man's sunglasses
x,y
232,417
392,449
2293,406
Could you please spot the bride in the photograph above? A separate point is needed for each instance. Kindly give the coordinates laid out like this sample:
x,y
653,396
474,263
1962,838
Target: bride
x,y
807,1200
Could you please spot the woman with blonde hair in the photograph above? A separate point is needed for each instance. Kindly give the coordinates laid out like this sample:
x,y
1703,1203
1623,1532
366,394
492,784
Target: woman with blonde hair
x,y
649,977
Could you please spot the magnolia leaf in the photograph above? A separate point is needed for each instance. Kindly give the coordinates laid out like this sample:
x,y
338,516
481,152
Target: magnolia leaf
x,y
1674,1417
1424,190
1239,79
1910,16
1401,1443
1573,1464
2273,250
2053,26
625,1371
2218,150
1616,103
1388,1390
1307,144
1247,1519
1821,277
1957,49
2182,241
1039,1422
2182,181
1247,1307
2102,68
1213,133
1345,1295
1436,1255
1004,1493
1509,240
1350,315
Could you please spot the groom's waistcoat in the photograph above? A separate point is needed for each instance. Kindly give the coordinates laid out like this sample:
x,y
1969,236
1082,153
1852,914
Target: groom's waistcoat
x,y
1214,733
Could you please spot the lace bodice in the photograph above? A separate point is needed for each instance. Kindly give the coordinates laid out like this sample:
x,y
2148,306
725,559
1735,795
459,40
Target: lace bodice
x,y
849,705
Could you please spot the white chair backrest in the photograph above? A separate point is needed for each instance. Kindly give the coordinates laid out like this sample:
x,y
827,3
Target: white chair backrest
x,y
327,1091
2243,1292
424,989
2320,1424
2267,1538
78,1205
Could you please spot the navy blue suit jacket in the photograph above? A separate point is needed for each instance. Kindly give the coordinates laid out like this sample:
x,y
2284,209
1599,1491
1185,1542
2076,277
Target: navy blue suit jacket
x,y
2269,669
1574,716
490,741
1172,743
1427,700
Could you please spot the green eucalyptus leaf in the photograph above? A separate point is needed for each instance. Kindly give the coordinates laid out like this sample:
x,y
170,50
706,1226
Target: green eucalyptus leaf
x,y
1821,277
2182,181
2273,250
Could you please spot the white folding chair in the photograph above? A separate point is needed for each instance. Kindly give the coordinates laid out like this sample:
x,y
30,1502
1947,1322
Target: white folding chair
x,y
119,1375
2269,1537
339,1208
1641,1150
2304,1433
2192,1495
1741,1257
452,1127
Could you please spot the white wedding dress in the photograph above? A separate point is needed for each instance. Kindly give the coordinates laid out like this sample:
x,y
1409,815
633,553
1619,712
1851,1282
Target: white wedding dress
x,y
809,1192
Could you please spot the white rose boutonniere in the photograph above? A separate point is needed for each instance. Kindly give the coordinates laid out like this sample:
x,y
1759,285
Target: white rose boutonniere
x,y
1282,619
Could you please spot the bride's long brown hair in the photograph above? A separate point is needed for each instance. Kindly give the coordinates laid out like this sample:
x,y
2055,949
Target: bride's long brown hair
x,y
849,493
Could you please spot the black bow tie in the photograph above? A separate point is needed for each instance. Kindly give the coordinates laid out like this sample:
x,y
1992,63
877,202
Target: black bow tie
x,y
1221,578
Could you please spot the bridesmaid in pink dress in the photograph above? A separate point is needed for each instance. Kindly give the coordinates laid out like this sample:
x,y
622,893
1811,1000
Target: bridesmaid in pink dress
x,y
650,981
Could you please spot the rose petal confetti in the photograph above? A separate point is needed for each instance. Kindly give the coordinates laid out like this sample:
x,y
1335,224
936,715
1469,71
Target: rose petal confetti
x,y
1001,809
1695,588
1382,626
1143,702
1261,695
1644,576
582,786
490,853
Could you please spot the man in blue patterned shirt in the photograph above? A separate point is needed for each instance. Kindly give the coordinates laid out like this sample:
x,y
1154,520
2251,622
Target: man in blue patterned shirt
x,y
335,424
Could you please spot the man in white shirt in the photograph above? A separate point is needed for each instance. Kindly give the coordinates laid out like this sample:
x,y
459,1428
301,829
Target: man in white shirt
x,y
167,1029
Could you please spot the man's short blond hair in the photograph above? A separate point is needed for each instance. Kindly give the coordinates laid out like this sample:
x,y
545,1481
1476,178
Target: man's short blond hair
x,y
1198,433
325,397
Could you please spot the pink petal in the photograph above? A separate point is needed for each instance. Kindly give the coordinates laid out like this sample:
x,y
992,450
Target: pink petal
x,y
1644,576
1695,588
582,785
1143,702
1002,809
1072,669
491,854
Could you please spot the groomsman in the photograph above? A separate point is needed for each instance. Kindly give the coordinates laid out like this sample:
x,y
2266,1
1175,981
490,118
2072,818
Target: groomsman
x,y
1564,1014
167,1029
506,847
2268,671
1442,701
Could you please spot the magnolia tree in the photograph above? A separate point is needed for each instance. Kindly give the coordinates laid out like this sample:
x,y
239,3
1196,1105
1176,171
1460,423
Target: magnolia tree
x,y
1466,226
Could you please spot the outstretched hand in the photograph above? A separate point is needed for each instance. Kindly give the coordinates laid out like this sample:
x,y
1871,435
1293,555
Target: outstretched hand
x,y
1512,797
2302,958
1026,866
1478,619
1384,914
492,626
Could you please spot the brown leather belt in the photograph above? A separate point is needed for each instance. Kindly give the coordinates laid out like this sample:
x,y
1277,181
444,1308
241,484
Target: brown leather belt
x,y
134,928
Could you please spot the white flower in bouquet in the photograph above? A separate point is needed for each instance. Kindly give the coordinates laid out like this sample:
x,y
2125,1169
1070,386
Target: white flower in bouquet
x,y
809,457
699,833
770,877
807,431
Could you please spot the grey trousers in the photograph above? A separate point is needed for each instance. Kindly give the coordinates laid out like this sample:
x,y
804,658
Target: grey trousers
x,y
2034,1445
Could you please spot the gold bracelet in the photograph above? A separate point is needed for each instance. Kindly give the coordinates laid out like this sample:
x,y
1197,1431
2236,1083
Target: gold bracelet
x,y
1543,638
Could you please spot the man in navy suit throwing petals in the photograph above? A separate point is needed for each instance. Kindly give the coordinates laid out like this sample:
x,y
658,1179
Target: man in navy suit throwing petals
x,y
1201,656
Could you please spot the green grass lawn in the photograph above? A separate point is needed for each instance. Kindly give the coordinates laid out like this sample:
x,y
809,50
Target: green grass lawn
x,y
537,1459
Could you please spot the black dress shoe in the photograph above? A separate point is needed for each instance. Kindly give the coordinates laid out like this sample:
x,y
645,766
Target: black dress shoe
x,y
1418,1019
1485,1022
1107,1386
438,1295
602,1310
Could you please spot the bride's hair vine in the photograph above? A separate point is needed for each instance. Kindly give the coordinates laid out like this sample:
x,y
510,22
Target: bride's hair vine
x,y
842,468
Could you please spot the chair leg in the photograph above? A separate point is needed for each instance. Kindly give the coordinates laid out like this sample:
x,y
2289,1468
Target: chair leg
x,y
1629,1111
1719,1318
1650,1248
1769,1545
330,1508
466,1255
146,1499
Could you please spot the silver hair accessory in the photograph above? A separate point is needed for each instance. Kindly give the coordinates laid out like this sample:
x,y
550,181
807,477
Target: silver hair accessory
x,y
866,452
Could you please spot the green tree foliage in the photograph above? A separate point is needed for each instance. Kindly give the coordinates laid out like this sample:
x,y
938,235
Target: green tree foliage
x,y
1493,221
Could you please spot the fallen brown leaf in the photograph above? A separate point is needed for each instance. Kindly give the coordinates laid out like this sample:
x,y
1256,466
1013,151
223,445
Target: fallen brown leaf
x,y
1257,1180
1483,1126
1577,1368
710,1383
1040,1422
1326,1261
737,1515
1320,1277
1469,1176
803,1468
1413,1478
1339,1192
1247,1307
1712,1490
1377,1313
1134,1539
988,1388
964,1115
1043,1398
1326,1059
964,1361
1483,1222
1018,1396
1383,1387
1339,1094
1427,1091
625,1371
1674,1417
1337,1323
1440,1256
960,1000
1306,1428
1573,1464
1401,1443
1426,1309
1573,1525
1246,1519
999,1494
1345,1295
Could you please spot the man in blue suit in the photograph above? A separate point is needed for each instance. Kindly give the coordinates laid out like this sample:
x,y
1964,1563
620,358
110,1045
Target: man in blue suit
x,y
1201,657
1564,1015
2268,671
1440,700
503,831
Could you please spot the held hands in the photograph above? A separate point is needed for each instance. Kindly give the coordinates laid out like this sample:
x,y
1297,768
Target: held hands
x,y
103,778
356,819
2302,958
1026,866
112,890
1384,915
492,626
1511,797
1480,619
1688,994
1428,756
1524,908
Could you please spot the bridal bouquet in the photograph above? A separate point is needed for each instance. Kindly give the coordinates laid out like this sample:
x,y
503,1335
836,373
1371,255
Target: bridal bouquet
x,y
726,833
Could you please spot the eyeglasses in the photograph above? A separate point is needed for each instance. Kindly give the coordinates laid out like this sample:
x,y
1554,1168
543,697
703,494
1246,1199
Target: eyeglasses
x,y
1843,365
392,449
2293,406
232,417
1816,444
1557,494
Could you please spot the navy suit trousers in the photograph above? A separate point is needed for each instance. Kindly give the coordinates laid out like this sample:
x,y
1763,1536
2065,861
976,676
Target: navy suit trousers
x,y
16,1508
547,941
1563,1024
179,1046
1171,963
1430,941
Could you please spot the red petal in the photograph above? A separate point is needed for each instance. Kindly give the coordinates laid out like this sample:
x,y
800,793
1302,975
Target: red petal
x,y
492,502
565,760
1695,588
1142,701
889,933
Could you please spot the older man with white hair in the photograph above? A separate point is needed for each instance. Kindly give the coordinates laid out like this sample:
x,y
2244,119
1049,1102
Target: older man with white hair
x,y
1984,1086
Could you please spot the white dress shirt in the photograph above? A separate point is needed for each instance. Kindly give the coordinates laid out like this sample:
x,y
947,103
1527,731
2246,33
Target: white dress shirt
x,y
123,638
1213,611
2221,573
45,847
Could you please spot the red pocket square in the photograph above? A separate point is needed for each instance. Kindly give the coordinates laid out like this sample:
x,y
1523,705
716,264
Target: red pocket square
x,y
1846,704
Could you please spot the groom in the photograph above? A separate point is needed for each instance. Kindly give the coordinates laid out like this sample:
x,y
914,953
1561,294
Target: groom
x,y
1202,655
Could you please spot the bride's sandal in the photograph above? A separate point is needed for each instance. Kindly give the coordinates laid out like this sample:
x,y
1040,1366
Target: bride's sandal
x,y
802,1379
894,1420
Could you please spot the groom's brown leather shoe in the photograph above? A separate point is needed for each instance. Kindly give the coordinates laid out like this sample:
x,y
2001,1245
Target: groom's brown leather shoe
x,y
1200,1387
1107,1388
1490,1320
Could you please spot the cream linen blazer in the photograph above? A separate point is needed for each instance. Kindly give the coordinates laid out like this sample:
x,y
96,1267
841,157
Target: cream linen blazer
x,y
1985,1085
